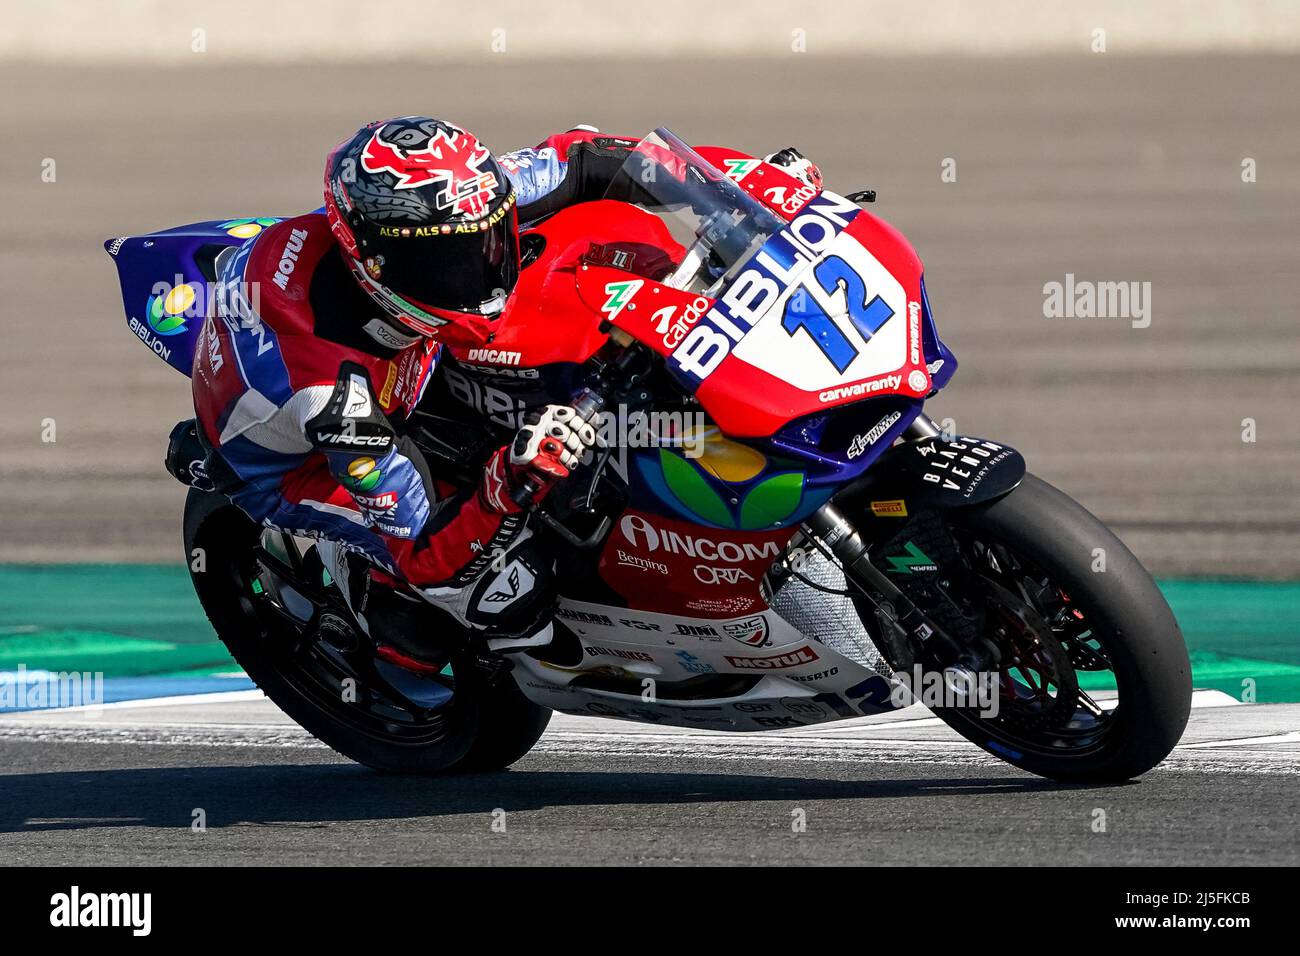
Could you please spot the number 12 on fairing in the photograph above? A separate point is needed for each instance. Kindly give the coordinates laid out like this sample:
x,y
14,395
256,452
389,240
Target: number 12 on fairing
x,y
803,312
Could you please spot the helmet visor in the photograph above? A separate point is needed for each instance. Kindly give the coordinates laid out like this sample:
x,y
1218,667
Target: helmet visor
x,y
459,269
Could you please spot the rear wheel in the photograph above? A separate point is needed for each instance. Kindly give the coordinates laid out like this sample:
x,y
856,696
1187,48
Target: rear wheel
x,y
273,605
1092,677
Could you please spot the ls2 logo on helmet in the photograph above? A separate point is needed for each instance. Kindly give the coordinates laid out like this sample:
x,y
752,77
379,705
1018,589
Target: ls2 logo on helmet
x,y
449,159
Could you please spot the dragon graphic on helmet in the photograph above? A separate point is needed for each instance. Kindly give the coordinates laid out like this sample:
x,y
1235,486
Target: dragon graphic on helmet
x,y
425,217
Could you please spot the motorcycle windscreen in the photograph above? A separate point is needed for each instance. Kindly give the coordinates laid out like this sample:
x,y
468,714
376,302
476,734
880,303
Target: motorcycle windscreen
x,y
702,207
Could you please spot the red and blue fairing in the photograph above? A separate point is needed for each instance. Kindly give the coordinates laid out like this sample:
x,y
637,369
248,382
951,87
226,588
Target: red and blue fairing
x,y
167,279
808,341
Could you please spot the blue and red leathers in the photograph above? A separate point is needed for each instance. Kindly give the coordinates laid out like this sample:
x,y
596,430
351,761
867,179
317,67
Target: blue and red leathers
x,y
287,344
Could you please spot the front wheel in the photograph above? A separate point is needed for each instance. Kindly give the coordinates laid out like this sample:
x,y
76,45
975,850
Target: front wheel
x,y
1092,678
283,620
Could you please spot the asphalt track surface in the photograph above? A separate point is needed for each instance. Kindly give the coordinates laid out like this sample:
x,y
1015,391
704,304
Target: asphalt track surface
x,y
1109,167
122,787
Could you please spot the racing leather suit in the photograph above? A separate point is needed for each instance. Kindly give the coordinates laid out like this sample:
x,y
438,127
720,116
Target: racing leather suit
x,y
301,410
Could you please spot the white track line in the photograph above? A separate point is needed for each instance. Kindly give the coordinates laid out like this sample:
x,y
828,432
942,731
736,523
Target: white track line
x,y
203,720
215,697
1289,737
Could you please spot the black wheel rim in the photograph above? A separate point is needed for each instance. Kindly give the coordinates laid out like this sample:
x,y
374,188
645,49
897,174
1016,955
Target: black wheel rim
x,y
1047,638
306,628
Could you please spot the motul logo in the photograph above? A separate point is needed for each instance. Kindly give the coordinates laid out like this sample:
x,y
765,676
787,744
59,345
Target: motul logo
x,y
377,502
289,258
800,655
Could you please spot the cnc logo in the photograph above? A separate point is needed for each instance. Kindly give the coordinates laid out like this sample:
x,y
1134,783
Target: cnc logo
x,y
752,631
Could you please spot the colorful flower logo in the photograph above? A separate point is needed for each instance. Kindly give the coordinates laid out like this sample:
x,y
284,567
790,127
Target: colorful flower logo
x,y
247,228
167,313
727,485
362,474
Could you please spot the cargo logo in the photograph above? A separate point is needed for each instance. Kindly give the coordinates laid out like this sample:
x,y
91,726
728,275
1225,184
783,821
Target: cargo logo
x,y
789,202
674,327
794,658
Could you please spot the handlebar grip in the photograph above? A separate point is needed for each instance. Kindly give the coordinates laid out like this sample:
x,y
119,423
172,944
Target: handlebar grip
x,y
523,495
586,405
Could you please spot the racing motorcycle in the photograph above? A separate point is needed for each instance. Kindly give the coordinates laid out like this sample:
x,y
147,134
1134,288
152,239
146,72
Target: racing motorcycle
x,y
789,540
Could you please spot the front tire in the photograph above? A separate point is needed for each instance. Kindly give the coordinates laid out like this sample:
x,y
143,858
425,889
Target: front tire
x,y
1036,555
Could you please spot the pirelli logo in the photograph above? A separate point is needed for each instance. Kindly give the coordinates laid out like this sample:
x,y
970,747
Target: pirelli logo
x,y
893,508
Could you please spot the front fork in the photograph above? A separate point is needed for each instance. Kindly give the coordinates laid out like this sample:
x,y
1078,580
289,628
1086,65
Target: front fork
x,y
830,531
922,426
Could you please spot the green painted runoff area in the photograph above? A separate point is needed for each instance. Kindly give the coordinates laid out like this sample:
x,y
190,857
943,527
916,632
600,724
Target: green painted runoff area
x,y
143,620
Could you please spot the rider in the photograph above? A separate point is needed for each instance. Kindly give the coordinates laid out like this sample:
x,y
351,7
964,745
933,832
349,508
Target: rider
x,y
327,330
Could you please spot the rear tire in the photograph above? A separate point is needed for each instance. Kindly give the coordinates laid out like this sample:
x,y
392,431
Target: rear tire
x,y
507,730
486,725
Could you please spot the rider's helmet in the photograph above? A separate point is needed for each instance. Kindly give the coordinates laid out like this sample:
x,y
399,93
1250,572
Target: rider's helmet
x,y
426,219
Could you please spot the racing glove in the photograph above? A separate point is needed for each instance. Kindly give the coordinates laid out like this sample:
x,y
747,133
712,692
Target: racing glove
x,y
797,165
552,442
